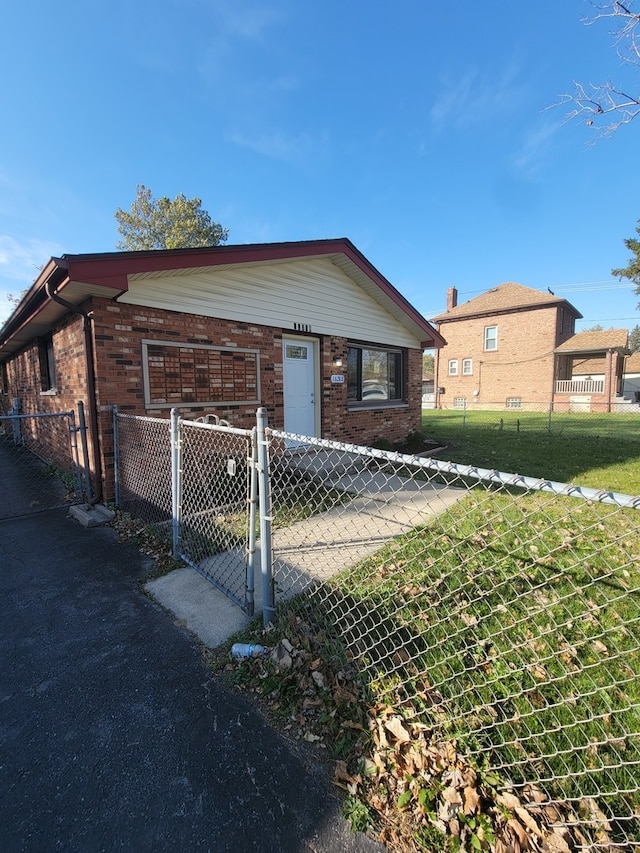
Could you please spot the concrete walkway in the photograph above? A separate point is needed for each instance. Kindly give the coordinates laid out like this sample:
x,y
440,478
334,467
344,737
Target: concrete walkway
x,y
115,735
383,506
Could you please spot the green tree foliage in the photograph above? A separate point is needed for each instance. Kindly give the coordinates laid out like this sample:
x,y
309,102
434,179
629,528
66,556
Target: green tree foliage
x,y
165,223
634,339
428,363
632,270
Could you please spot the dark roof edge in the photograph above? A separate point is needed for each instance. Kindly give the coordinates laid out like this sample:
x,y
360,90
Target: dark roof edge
x,y
488,312
111,270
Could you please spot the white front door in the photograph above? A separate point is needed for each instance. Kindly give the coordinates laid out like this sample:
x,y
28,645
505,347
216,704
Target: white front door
x,y
299,376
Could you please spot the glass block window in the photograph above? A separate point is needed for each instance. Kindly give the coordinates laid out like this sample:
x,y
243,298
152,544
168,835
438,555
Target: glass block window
x,y
197,375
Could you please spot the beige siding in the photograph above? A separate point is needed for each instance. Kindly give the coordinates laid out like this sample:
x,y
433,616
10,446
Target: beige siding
x,y
312,293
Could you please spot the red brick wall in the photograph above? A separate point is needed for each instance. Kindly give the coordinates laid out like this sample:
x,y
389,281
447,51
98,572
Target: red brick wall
x,y
24,382
366,426
23,371
522,366
118,331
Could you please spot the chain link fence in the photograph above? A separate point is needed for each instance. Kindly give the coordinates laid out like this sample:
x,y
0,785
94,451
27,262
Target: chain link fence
x,y
529,416
494,611
39,463
217,520
497,610
142,451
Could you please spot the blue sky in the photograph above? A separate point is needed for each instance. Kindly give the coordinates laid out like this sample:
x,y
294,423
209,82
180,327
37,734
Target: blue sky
x,y
416,128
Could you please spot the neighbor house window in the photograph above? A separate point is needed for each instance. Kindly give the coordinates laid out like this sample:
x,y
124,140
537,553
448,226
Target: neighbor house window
x,y
467,367
198,375
459,402
374,374
490,337
514,402
47,364
453,367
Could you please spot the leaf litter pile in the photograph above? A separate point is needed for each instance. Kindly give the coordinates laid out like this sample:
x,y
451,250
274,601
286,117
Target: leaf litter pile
x,y
403,783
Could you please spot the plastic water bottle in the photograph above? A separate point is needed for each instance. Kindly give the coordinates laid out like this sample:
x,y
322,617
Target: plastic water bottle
x,y
247,650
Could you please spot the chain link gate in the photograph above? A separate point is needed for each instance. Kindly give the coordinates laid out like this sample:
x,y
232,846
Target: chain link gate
x,y
215,486
39,466
196,482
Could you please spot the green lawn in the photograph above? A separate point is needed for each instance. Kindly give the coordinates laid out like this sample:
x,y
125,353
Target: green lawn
x,y
496,645
598,451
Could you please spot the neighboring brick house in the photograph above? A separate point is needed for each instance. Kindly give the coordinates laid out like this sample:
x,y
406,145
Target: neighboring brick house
x,y
514,347
590,372
500,347
631,387
310,330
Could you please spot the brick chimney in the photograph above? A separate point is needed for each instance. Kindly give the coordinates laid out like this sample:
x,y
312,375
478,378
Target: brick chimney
x,y
452,298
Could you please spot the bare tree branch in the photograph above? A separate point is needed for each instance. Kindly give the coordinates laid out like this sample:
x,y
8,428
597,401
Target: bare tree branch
x,y
606,105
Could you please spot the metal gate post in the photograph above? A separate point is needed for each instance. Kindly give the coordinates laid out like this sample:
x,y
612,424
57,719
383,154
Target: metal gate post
x,y
264,493
16,424
85,450
176,482
251,539
73,438
116,458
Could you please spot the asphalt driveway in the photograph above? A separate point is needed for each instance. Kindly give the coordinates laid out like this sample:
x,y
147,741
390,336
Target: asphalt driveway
x,y
114,735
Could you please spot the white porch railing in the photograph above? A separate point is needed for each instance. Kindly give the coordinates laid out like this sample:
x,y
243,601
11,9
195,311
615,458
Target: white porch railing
x,y
580,386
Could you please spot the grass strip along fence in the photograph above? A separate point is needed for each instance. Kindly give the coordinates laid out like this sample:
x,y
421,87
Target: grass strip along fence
x,y
477,678
462,644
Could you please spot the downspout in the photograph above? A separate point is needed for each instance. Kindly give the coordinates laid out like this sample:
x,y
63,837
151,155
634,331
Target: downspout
x,y
91,385
436,389
608,382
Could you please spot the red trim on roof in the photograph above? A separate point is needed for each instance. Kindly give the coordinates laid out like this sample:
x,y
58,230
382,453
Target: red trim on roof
x,y
111,269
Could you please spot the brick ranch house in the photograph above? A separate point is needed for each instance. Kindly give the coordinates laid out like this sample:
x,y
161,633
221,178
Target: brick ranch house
x,y
514,347
310,330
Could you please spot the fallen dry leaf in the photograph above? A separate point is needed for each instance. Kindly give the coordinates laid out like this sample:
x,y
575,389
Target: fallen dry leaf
x,y
471,801
397,728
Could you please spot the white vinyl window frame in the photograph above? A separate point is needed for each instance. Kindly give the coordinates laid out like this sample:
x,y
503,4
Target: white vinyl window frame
x,y
453,367
490,338
467,367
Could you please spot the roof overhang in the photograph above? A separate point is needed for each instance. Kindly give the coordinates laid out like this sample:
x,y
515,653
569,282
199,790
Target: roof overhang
x,y
77,277
598,351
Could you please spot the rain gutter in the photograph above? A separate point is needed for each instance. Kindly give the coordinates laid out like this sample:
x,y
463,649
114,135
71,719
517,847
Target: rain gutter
x,y
91,384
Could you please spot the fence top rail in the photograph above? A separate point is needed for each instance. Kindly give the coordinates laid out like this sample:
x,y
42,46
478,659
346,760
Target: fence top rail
x,y
481,474
143,418
216,427
37,415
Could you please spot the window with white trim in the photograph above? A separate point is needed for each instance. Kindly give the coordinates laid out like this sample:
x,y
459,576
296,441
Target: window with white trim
x,y
374,374
453,367
490,338
467,367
